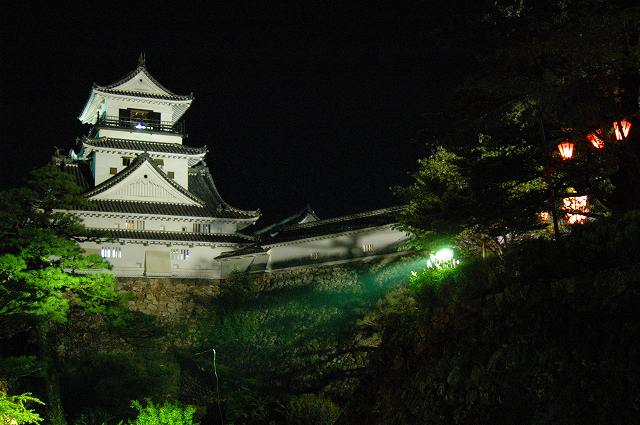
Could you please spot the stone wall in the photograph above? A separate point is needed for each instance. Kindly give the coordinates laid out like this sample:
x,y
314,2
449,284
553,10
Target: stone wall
x,y
170,299
169,313
167,298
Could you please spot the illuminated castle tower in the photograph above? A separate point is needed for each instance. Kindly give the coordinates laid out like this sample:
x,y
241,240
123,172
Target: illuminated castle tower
x,y
152,195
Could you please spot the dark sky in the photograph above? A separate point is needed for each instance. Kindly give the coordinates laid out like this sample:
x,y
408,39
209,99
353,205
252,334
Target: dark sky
x,y
300,105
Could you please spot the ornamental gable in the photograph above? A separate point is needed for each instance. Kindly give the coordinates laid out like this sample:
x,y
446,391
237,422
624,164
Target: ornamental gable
x,y
145,183
141,83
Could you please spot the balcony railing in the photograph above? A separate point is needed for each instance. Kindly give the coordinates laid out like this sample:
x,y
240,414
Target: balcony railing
x,y
141,125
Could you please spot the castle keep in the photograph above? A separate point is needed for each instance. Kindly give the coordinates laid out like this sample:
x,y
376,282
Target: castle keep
x,y
162,215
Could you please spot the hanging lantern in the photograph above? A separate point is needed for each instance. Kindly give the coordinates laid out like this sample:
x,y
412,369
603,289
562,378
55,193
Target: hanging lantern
x,y
544,216
566,150
576,203
621,129
595,139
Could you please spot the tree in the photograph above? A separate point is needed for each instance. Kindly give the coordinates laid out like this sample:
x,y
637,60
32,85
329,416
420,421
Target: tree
x,y
539,73
43,271
14,410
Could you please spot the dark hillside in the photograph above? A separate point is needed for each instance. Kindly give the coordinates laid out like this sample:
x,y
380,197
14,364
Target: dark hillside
x,y
550,336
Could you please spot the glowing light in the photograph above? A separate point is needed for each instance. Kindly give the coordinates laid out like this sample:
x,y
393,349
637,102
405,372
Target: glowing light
x,y
443,258
445,254
595,140
576,203
544,216
566,150
141,126
621,129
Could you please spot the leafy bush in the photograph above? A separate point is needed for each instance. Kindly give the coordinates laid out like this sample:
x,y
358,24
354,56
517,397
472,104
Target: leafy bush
x,y
311,409
14,410
169,413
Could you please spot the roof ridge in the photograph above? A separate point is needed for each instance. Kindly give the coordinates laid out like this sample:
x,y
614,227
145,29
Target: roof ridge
x,y
343,218
129,76
243,236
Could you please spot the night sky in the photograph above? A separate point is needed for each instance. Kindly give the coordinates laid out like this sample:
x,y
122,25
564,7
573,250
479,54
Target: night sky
x,y
315,105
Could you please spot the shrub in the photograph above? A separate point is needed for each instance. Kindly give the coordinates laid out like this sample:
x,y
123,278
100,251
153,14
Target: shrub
x,y
311,409
169,413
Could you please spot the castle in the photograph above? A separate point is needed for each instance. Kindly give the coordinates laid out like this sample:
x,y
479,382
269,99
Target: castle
x,y
155,200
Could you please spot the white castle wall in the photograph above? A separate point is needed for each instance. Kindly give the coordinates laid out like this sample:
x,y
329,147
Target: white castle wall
x,y
361,243
200,264
141,135
158,223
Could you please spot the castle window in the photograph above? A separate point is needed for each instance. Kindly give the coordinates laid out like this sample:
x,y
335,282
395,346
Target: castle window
x,y
113,171
179,254
140,224
171,174
314,255
111,252
201,228
126,161
130,224
368,247
159,162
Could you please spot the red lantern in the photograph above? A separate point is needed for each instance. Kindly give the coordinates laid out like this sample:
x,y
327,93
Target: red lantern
x,y
595,139
621,129
566,150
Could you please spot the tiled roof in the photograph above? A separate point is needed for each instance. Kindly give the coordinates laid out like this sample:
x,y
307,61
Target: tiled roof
x,y
143,94
174,236
201,184
251,249
296,218
80,172
137,163
106,142
334,225
156,208
169,96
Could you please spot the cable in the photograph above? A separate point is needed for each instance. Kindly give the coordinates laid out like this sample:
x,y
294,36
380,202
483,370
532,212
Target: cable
x,y
215,372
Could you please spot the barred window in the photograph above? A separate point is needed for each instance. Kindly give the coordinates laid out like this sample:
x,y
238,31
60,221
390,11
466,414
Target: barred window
x,y
111,252
202,228
368,247
179,254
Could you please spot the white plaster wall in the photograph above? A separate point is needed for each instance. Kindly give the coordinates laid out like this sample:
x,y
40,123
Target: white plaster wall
x,y
384,240
201,262
141,135
256,262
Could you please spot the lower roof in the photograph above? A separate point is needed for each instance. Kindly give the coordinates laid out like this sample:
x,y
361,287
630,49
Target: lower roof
x,y
175,236
157,208
332,226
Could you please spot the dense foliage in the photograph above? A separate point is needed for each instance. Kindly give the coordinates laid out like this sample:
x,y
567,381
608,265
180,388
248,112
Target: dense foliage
x,y
44,273
550,335
538,73
526,330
